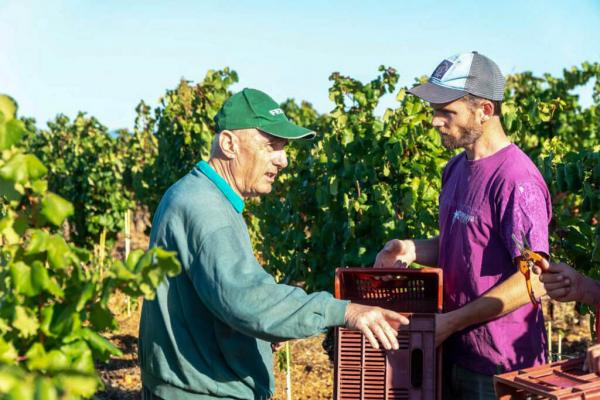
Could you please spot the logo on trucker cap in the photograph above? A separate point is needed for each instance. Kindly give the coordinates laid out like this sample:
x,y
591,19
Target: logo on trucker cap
x,y
441,69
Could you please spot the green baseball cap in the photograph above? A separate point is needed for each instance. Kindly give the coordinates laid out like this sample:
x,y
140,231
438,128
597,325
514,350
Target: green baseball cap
x,y
252,108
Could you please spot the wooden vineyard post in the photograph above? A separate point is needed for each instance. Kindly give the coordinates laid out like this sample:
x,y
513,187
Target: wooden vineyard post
x,y
549,336
559,349
127,250
288,372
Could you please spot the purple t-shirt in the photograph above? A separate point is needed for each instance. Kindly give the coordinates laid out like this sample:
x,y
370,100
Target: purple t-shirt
x,y
482,204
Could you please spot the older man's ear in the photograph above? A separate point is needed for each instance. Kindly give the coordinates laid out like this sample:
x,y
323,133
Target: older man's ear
x,y
228,144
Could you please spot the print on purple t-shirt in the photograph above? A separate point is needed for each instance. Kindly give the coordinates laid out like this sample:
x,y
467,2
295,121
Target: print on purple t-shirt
x,y
482,203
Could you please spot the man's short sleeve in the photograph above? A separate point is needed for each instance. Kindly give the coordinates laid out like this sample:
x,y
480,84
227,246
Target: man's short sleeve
x,y
525,212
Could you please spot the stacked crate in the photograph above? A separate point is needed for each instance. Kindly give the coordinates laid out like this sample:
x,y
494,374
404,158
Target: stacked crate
x,y
561,380
414,370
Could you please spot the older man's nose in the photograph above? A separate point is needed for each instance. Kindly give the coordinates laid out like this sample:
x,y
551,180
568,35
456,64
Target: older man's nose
x,y
281,160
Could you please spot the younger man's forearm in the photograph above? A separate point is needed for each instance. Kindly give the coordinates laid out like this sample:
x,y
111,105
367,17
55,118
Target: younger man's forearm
x,y
498,301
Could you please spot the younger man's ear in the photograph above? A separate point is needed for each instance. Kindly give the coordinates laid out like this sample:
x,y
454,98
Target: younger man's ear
x,y
488,110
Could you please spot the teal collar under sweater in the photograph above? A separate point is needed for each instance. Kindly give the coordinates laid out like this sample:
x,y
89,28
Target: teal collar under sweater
x,y
236,201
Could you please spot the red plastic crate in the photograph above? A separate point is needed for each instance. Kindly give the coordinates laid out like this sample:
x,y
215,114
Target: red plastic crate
x,y
414,370
561,380
402,290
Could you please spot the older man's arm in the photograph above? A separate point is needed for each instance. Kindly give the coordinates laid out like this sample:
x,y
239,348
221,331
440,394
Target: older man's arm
x,y
496,302
238,291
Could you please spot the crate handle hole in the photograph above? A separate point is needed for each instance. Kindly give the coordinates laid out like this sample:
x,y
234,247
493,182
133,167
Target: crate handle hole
x,y
416,368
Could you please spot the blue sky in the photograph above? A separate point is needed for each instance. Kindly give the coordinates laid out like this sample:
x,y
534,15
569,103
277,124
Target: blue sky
x,y
103,57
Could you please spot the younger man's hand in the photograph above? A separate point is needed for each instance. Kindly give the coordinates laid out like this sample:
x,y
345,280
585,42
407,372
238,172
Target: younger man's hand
x,y
396,253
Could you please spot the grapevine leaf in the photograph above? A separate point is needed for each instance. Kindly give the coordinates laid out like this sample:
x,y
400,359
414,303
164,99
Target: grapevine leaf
x,y
56,209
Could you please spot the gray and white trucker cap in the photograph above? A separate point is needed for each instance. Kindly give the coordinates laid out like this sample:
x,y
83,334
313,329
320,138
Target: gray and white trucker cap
x,y
462,74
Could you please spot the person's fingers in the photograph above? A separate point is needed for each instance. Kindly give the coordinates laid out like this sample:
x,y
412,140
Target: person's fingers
x,y
370,337
556,285
381,336
394,316
552,278
540,266
378,260
373,323
393,246
382,260
389,256
377,263
391,334
384,328
560,294
556,268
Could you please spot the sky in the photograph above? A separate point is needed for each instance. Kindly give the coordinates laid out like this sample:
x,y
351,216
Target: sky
x,y
103,57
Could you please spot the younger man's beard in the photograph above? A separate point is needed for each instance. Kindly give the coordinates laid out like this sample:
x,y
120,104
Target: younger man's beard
x,y
468,136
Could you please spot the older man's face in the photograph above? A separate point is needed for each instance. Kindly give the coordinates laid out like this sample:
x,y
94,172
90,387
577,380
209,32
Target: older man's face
x,y
260,158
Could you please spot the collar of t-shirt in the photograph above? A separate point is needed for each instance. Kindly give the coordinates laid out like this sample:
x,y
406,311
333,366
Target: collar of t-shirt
x,y
236,201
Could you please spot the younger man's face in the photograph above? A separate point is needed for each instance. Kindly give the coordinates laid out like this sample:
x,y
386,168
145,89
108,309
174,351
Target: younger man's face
x,y
457,123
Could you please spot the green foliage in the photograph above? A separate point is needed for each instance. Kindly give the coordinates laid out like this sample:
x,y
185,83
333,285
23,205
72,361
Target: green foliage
x,y
574,182
180,132
138,152
88,168
367,178
546,119
350,190
364,179
53,295
541,108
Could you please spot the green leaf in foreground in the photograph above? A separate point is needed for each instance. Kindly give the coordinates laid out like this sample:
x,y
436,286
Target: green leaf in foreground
x,y
56,209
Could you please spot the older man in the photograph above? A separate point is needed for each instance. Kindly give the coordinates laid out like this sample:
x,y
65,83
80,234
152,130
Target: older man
x,y
207,334
490,192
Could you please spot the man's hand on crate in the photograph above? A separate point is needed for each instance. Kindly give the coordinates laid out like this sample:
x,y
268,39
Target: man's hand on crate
x,y
373,323
396,253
